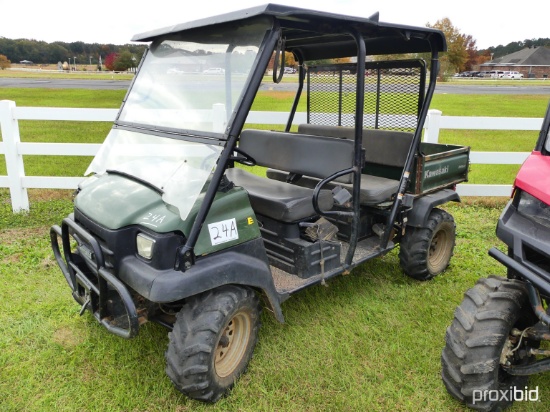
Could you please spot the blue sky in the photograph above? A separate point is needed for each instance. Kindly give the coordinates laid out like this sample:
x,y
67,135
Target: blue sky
x,y
100,21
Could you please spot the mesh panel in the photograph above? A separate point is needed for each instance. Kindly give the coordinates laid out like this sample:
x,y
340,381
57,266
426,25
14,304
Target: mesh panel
x,y
394,92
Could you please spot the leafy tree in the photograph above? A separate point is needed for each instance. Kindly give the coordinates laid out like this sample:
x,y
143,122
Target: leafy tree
x,y
290,61
56,52
110,61
501,50
457,46
4,62
123,61
41,52
475,57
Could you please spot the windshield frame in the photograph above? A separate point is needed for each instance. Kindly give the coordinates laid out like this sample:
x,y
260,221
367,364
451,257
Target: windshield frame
x,y
194,135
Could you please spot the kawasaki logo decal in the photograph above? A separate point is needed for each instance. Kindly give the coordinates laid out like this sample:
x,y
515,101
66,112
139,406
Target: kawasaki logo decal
x,y
437,172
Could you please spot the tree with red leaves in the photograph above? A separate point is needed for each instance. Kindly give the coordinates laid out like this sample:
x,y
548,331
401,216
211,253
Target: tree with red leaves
x,y
110,61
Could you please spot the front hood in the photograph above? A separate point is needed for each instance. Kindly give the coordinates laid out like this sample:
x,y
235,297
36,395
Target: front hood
x,y
534,176
114,201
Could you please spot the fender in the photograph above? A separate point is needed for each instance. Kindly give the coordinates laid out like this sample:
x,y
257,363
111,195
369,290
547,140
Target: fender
x,y
245,264
422,206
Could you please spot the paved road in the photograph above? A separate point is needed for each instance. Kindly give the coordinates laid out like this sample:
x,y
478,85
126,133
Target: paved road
x,y
65,83
123,85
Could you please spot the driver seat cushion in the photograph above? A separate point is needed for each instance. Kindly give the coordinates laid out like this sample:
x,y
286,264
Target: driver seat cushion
x,y
279,200
374,189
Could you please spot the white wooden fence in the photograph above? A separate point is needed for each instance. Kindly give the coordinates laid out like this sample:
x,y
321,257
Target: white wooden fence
x,y
18,183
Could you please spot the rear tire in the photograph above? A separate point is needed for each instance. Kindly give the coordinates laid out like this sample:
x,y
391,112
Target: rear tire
x,y
426,252
212,342
478,341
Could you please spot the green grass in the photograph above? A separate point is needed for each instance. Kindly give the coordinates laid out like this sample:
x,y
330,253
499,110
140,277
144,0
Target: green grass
x,y
369,341
491,140
492,105
95,132
450,105
110,99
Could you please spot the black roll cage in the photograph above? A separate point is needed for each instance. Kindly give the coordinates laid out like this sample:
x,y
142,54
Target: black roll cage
x,y
311,35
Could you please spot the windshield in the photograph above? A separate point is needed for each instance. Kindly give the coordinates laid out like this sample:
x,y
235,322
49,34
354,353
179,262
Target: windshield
x,y
178,169
193,81
187,88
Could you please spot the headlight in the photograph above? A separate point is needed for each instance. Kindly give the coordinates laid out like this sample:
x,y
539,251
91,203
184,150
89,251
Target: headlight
x,y
145,246
532,208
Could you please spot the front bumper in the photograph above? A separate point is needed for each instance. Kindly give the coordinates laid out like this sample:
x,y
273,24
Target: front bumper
x,y
93,286
123,291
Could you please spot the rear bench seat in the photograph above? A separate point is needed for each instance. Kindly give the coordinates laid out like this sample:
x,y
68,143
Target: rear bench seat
x,y
291,153
382,147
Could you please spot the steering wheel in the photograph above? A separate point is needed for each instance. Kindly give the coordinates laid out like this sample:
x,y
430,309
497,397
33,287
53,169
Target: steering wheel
x,y
243,158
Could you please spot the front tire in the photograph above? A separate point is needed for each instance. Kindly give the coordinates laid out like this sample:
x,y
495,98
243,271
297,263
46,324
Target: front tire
x,y
479,341
426,252
212,342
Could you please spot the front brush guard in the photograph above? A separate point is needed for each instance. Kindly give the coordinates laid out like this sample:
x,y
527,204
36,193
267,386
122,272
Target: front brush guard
x,y
94,287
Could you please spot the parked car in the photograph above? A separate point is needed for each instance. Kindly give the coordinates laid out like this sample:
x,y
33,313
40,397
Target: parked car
x,y
214,70
511,75
495,74
175,70
468,74
290,70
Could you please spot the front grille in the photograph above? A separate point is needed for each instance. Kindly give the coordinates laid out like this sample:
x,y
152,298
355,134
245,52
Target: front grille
x,y
537,258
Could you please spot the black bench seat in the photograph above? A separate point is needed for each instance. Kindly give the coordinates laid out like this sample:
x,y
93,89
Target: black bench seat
x,y
374,189
296,153
279,200
382,147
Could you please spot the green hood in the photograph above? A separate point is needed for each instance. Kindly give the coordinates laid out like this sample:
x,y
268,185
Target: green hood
x,y
115,201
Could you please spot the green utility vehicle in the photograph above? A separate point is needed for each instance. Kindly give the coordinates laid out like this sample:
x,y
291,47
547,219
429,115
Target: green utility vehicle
x,y
170,227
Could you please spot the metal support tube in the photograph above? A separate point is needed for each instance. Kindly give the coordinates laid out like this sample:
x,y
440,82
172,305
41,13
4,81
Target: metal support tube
x,y
404,181
186,253
301,77
358,151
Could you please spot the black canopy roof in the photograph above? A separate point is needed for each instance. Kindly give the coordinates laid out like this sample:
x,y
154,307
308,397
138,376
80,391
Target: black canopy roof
x,y
322,35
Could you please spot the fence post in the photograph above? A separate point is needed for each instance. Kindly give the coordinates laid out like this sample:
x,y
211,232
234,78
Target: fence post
x,y
433,120
14,161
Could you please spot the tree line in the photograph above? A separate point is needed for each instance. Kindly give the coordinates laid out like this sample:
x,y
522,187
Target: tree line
x,y
462,51
40,52
515,46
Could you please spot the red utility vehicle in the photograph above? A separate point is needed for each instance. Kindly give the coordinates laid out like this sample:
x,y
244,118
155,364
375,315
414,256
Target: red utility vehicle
x,y
493,343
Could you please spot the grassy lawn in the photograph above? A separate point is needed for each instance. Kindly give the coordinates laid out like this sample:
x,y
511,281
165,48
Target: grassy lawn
x,y
450,105
371,340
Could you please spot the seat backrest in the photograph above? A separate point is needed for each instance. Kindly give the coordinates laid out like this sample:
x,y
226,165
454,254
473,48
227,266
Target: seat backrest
x,y
384,147
303,154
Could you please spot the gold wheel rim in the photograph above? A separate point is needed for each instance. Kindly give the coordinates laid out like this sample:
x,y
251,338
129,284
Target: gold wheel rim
x,y
437,254
232,344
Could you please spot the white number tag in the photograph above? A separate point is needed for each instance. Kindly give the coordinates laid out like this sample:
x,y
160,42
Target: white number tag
x,y
224,231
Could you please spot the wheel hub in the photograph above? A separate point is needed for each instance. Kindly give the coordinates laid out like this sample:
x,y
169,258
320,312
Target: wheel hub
x,y
437,252
232,344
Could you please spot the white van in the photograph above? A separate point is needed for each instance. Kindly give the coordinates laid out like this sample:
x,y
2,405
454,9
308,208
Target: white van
x,y
495,74
511,75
